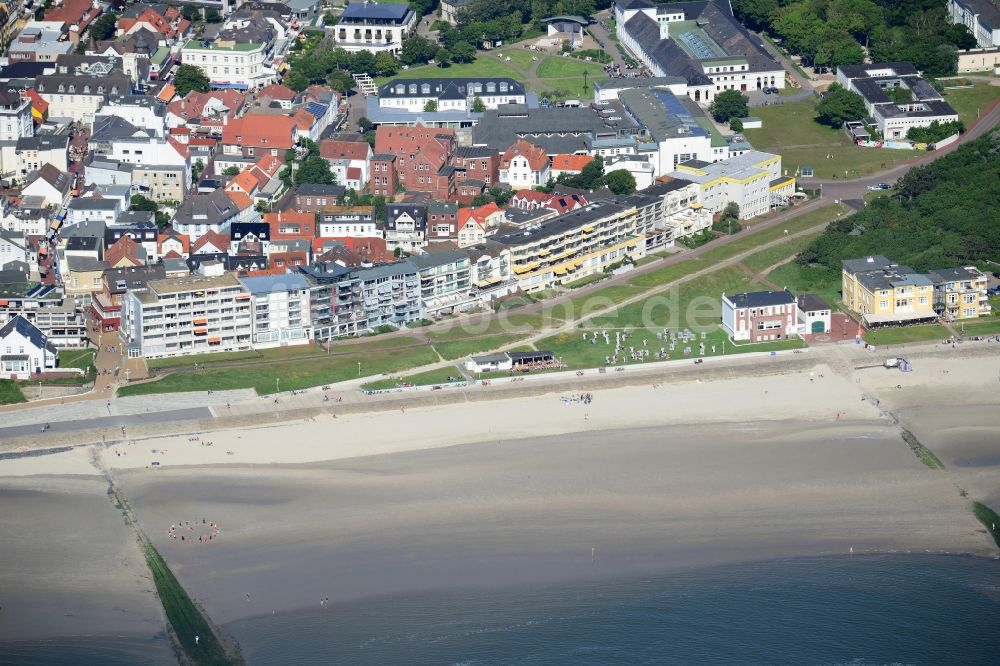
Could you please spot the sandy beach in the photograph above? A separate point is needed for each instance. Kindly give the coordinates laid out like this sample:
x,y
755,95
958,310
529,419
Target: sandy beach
x,y
646,477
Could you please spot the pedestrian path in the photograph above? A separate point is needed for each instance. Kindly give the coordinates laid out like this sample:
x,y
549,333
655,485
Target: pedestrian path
x,y
95,409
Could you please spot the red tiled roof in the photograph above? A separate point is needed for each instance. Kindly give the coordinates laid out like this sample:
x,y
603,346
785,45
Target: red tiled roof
x,y
245,181
210,237
536,155
192,105
74,12
241,200
353,173
124,249
571,162
276,91
166,93
304,120
182,238
260,130
332,149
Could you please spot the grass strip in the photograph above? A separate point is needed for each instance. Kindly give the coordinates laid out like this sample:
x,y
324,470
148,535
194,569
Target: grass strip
x,y
185,619
989,518
10,393
925,455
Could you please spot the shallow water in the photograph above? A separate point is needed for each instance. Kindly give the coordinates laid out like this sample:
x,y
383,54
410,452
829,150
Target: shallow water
x,y
889,609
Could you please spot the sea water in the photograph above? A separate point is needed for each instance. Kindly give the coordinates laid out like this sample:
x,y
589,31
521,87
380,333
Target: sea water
x,y
860,610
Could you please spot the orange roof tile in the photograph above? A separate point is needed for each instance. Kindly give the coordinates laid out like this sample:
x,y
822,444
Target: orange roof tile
x,y
571,162
241,200
183,239
166,93
343,150
536,155
245,181
260,130
210,237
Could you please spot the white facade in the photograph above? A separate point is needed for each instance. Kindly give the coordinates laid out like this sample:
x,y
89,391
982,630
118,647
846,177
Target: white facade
x,y
374,27
193,315
15,120
414,95
228,63
519,173
981,17
24,350
143,116
745,180
280,309
642,170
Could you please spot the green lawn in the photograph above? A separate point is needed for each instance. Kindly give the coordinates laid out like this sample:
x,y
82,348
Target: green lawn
x,y
503,324
557,67
10,392
801,279
520,58
568,88
456,349
968,101
742,243
905,334
989,326
791,130
695,305
429,378
484,65
294,373
760,261
584,281
77,358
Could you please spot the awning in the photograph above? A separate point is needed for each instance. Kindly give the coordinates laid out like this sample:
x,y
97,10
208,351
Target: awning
x,y
201,321
561,270
214,340
4,302
900,317
587,228
201,331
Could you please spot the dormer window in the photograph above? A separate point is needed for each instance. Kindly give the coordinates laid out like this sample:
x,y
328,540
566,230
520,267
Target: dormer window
x,y
503,87
400,89
86,90
62,88
413,88
425,89
100,90
491,87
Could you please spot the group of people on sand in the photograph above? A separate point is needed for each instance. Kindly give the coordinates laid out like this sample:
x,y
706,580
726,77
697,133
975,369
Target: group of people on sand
x,y
176,531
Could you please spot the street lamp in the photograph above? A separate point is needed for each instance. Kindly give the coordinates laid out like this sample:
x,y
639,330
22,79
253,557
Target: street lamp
x,y
359,368
277,384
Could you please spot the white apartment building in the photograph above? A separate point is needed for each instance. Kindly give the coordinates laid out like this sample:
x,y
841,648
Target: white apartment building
x,y
348,222
700,42
981,17
15,115
189,315
229,64
280,309
370,26
752,180
895,118
450,94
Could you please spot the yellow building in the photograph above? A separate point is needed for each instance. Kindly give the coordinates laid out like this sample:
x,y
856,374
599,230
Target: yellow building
x,y
886,294
574,245
960,293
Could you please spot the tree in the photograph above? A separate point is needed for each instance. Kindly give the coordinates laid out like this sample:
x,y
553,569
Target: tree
x,y
729,104
732,210
431,106
190,12
231,171
296,80
314,169
463,52
190,77
935,131
478,105
736,124
340,81
212,15
840,105
365,125
104,26
140,202
362,62
386,64
417,50
620,181
442,57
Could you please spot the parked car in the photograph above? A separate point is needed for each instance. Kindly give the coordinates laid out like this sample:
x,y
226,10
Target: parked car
x,y
767,91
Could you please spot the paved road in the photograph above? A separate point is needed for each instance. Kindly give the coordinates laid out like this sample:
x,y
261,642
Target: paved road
x,y
113,423
804,83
